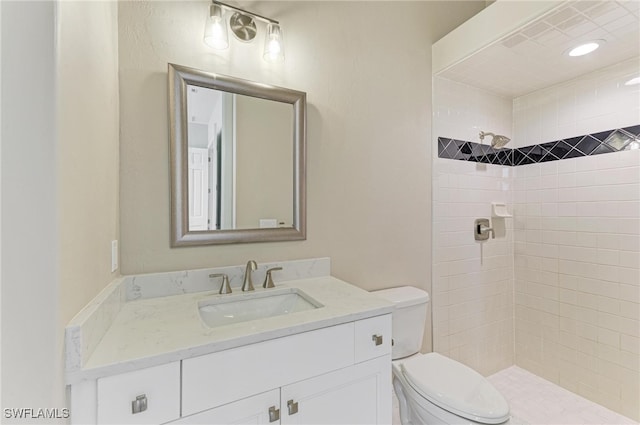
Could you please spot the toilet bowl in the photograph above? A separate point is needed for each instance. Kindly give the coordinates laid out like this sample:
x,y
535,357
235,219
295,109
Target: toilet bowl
x,y
431,388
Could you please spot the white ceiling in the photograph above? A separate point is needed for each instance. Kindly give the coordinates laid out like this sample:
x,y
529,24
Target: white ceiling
x,y
201,102
534,57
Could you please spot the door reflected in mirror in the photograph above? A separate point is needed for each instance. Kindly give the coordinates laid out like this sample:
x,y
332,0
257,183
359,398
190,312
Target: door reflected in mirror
x,y
240,161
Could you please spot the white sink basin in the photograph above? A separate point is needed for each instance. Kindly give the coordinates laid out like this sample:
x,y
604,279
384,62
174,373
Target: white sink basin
x,y
229,309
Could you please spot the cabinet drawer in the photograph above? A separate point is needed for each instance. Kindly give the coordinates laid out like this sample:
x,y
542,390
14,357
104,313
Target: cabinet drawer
x,y
372,337
219,378
158,387
259,409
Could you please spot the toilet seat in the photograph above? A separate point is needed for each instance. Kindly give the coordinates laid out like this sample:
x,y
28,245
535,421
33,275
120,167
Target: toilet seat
x,y
456,388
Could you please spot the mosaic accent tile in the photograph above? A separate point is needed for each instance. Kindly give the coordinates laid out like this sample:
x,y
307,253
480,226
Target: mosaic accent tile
x,y
615,140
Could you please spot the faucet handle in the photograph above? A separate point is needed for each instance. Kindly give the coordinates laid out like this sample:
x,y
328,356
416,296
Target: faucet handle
x,y
268,280
225,288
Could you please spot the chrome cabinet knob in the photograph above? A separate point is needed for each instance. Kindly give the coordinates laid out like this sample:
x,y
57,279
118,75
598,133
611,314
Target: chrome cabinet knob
x,y
274,414
139,404
377,339
293,407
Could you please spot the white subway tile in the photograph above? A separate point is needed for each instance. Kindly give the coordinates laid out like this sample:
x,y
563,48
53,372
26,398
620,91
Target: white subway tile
x,y
584,239
548,195
609,321
630,309
587,209
608,241
608,256
549,209
608,305
586,163
567,166
569,180
567,209
628,226
629,326
549,169
630,259
629,242
630,343
608,337
628,209
608,274
630,277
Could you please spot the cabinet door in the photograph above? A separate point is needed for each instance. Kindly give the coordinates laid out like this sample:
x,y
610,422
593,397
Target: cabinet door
x,y
145,396
359,394
258,409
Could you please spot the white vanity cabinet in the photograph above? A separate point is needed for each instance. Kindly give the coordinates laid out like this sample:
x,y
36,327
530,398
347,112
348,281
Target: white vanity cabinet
x,y
359,394
334,375
337,375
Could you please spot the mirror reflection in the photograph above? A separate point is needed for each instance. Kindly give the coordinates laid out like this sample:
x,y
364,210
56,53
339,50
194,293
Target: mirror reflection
x,y
238,153
240,161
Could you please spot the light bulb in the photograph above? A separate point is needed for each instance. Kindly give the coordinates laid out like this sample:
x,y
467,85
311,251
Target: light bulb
x,y
585,48
273,46
215,31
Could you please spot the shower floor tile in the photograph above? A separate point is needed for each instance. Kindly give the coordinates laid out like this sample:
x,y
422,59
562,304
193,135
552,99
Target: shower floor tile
x,y
536,401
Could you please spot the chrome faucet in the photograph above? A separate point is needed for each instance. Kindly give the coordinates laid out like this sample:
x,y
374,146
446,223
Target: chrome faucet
x,y
268,280
247,285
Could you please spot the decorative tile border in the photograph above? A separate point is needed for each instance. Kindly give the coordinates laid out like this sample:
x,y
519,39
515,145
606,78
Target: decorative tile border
x,y
616,140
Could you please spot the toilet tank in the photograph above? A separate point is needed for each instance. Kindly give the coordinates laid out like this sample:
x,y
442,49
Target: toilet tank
x,y
409,318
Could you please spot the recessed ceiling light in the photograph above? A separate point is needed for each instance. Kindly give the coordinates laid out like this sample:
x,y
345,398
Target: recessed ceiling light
x,y
633,81
585,48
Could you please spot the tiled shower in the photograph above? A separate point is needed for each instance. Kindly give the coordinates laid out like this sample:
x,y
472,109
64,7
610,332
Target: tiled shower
x,y
557,292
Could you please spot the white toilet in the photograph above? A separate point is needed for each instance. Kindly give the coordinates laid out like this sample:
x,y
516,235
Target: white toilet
x,y
431,388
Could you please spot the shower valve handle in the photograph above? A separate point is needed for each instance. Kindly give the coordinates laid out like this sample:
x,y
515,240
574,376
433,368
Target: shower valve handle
x,y
484,229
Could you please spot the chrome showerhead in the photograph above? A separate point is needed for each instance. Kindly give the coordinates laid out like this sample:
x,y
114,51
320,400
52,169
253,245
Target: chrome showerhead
x,y
497,141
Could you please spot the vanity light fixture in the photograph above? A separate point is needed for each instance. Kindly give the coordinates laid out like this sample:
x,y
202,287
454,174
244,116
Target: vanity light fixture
x,y
585,48
215,31
243,26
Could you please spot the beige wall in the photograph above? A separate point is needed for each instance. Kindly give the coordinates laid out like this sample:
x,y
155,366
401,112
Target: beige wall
x,y
60,211
87,160
366,68
264,161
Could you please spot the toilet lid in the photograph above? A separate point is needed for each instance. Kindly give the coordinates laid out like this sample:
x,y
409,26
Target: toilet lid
x,y
456,388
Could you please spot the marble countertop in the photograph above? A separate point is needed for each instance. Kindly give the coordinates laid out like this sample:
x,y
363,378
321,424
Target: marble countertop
x,y
155,331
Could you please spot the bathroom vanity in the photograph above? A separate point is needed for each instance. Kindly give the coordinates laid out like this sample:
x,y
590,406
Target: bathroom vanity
x,y
169,359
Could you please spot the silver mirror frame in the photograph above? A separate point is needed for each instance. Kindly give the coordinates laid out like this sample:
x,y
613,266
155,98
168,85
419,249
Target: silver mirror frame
x,y
179,77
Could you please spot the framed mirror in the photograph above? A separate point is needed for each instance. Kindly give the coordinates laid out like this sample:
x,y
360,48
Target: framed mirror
x,y
237,159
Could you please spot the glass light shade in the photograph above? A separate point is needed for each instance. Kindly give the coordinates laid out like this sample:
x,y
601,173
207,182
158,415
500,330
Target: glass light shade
x,y
273,45
215,30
